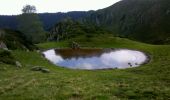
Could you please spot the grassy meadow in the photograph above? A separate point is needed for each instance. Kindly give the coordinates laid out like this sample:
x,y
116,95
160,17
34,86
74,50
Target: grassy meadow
x,y
148,82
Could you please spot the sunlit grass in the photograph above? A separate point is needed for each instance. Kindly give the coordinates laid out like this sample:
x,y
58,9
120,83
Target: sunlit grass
x,y
149,81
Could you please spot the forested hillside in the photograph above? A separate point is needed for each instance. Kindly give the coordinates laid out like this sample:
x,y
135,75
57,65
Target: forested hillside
x,y
12,40
48,19
69,28
143,20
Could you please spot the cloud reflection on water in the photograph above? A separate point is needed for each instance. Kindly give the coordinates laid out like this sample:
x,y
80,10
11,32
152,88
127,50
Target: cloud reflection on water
x,y
114,59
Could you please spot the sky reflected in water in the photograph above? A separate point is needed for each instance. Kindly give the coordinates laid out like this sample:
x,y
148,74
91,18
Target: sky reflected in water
x,y
99,59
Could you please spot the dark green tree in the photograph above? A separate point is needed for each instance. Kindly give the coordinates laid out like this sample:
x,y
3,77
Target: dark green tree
x,y
30,24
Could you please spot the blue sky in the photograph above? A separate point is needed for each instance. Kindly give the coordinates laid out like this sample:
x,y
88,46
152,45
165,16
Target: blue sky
x,y
13,7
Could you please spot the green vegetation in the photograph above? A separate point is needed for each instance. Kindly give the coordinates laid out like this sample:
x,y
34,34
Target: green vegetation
x,y
68,28
15,40
147,82
6,57
30,25
26,75
142,20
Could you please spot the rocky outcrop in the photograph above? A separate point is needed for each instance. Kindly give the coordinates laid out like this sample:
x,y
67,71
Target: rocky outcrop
x,y
60,30
11,39
3,46
6,57
75,45
142,20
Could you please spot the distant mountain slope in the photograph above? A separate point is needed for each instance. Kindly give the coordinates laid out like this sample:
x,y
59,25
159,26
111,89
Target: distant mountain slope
x,y
141,20
48,19
144,20
8,22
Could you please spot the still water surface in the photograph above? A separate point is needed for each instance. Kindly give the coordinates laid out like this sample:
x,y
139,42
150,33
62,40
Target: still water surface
x,y
95,58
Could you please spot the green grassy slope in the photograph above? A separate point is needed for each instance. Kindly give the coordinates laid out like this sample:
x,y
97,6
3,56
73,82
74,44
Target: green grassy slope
x,y
147,82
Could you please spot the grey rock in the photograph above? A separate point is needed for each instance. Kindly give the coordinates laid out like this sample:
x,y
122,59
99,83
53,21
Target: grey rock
x,y
38,51
39,68
44,70
36,68
3,46
75,45
27,50
18,64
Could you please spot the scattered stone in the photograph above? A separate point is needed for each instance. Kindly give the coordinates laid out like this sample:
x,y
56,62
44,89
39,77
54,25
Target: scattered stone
x,y
36,68
18,64
3,46
39,68
38,51
44,70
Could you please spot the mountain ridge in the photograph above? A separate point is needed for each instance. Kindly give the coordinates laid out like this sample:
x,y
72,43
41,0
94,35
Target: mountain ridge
x,y
48,19
141,20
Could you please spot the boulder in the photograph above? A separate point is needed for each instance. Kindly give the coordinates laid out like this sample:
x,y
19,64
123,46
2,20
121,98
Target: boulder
x,y
18,64
44,70
38,51
3,46
75,45
39,68
36,68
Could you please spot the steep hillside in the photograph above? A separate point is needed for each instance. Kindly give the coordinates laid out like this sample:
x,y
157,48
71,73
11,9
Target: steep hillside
x,y
14,40
144,20
50,19
69,28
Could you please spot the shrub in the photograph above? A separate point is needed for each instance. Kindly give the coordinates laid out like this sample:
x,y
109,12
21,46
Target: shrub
x,y
6,57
